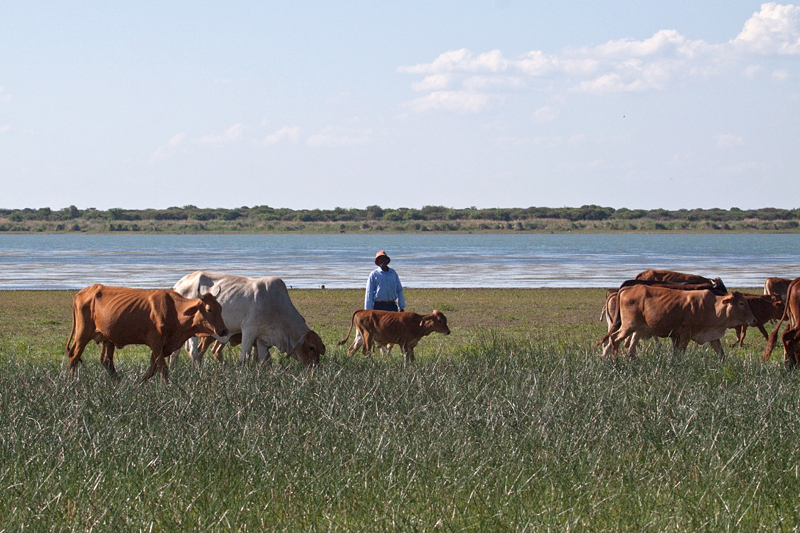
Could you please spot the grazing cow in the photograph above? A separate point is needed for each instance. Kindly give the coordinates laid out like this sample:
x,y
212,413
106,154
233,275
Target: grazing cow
x,y
764,308
777,286
671,276
161,319
791,336
261,310
610,308
390,327
700,316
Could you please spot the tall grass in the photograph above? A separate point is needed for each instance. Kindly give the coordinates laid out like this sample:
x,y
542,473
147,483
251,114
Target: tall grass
x,y
502,434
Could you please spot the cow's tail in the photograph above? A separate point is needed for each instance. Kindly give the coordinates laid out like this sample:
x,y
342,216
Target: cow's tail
x,y
352,321
72,333
617,320
773,337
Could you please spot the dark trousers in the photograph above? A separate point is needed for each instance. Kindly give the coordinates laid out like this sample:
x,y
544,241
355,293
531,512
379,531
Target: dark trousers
x,y
385,306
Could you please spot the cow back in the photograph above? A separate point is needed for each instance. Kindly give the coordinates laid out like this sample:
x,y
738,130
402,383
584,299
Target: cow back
x,y
671,276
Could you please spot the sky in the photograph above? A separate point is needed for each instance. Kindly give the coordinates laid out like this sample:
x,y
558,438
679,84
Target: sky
x,y
320,104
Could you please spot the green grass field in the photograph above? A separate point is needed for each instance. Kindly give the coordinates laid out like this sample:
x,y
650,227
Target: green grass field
x,y
513,422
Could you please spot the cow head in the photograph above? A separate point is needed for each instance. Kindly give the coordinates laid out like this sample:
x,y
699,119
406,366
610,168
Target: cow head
x,y
739,309
308,349
717,284
207,316
435,321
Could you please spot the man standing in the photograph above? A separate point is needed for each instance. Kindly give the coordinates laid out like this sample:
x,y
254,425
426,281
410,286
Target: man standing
x,y
384,292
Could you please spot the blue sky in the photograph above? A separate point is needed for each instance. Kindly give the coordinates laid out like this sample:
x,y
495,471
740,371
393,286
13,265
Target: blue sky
x,y
500,103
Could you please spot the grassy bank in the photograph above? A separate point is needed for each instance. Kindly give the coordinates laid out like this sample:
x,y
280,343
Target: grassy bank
x,y
511,423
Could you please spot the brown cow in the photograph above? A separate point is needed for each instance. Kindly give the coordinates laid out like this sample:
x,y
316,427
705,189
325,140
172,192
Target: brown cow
x,y
610,309
161,319
700,316
765,308
777,286
792,334
670,276
390,327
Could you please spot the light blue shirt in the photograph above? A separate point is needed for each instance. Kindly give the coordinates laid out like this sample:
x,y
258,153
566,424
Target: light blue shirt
x,y
384,287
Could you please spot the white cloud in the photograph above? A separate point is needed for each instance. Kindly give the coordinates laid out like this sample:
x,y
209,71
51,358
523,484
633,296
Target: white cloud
x,y
458,80
545,114
451,101
460,61
752,70
176,140
773,30
163,152
5,129
232,134
780,75
434,82
333,137
727,140
285,133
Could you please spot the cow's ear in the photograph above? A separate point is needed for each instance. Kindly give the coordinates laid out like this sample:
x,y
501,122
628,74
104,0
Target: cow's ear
x,y
728,300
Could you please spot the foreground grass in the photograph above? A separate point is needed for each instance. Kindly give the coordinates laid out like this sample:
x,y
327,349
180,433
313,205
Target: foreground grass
x,y
505,426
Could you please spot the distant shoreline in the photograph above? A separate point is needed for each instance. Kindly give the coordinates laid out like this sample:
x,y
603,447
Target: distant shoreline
x,y
377,220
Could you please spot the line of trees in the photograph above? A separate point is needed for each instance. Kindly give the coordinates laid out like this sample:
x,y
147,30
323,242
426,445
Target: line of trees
x,y
377,213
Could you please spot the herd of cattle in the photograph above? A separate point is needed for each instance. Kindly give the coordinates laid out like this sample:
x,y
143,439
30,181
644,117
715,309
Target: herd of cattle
x,y
204,308
684,307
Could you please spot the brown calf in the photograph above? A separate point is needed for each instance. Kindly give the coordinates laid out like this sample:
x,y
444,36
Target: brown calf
x,y
764,308
791,336
161,319
389,327
777,286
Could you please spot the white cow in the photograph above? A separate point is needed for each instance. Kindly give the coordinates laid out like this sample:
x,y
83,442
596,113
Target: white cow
x,y
259,308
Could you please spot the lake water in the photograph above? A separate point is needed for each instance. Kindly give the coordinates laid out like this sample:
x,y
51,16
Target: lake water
x,y
422,260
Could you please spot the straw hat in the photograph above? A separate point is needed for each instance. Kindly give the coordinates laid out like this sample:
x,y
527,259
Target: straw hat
x,y
381,254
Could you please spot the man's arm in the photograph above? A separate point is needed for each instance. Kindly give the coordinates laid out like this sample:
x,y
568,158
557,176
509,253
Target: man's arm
x,y
401,302
369,296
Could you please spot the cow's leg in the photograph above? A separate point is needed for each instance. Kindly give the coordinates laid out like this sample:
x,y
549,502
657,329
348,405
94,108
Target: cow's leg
x,y
107,358
409,351
262,349
632,344
151,370
607,348
367,336
357,343
741,332
157,362
217,351
619,336
248,339
717,345
82,337
161,364
763,331
680,342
